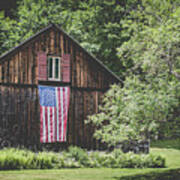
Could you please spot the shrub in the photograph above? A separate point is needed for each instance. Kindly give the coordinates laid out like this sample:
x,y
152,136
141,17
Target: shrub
x,y
78,155
24,159
75,158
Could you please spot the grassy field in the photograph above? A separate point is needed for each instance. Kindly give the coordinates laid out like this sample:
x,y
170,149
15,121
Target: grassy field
x,y
169,149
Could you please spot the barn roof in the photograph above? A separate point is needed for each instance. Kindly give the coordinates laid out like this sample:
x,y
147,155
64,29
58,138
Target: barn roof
x,y
11,51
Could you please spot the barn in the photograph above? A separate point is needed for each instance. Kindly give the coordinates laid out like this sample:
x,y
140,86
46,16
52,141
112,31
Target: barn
x,y
32,74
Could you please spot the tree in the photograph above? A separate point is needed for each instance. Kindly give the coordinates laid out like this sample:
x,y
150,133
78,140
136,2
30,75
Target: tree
x,y
31,16
97,25
138,40
153,51
133,112
150,96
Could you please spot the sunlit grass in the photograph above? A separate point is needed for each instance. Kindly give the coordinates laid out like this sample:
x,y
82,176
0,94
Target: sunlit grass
x,y
172,156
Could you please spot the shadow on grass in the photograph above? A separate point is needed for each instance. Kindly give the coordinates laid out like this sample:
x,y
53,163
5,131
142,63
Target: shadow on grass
x,y
168,144
163,175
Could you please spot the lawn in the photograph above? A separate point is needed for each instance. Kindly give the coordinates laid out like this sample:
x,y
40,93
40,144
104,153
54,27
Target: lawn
x,y
169,149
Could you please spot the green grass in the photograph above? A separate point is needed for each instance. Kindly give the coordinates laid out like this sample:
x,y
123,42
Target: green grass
x,y
172,156
71,174
169,149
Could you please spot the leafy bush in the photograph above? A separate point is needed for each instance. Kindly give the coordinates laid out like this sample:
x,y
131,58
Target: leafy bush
x,y
24,159
78,155
134,112
76,158
118,159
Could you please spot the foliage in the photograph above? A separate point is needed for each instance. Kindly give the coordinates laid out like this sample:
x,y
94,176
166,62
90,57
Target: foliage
x,y
24,159
153,51
133,112
74,158
96,24
103,27
31,16
149,98
138,40
78,155
165,150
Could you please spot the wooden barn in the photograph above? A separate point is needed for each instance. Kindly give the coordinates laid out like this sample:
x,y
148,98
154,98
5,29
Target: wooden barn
x,y
50,58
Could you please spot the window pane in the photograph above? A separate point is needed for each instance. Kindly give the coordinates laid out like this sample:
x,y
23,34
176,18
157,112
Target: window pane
x,y
57,69
50,67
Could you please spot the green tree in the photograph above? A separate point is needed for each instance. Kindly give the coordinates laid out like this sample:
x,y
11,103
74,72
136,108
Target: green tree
x,y
138,40
31,16
150,96
96,24
153,50
134,112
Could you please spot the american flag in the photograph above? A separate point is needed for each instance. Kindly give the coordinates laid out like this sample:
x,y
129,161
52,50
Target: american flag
x,y
54,104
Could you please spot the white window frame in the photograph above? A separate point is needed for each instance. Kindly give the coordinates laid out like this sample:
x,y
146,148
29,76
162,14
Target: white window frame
x,y
53,78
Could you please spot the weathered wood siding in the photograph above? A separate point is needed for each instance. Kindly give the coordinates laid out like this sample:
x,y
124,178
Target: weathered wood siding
x,y
19,115
18,87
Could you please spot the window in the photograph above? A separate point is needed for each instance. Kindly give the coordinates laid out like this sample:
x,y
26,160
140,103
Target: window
x,y
54,68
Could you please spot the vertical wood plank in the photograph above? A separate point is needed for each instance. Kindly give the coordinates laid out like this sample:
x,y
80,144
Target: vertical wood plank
x,y
0,73
11,70
8,66
5,71
52,51
14,69
82,119
55,43
85,70
82,68
78,70
48,40
59,44
19,68
75,118
72,65
35,66
62,44
70,120
24,66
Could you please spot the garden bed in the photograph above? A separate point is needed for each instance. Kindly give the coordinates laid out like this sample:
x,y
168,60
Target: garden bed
x,y
76,158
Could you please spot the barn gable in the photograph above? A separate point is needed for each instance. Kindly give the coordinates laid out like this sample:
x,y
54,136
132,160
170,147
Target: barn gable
x,y
54,41
28,65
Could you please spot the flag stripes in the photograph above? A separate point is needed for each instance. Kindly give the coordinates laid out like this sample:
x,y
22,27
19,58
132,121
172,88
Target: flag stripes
x,y
53,113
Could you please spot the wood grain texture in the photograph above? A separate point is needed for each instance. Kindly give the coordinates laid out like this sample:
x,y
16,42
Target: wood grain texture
x,y
19,92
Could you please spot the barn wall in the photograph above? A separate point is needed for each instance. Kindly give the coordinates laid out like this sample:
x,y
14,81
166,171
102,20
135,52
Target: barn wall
x,y
83,103
19,104
19,115
21,67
